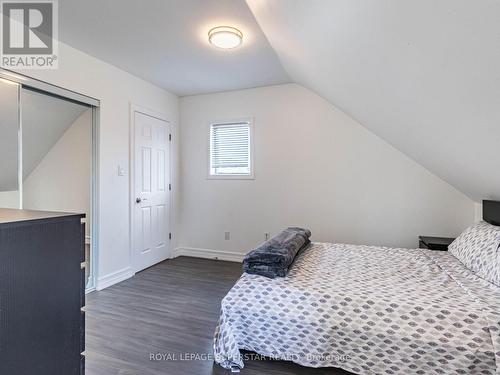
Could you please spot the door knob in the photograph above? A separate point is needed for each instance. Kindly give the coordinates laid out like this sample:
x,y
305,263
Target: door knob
x,y
138,200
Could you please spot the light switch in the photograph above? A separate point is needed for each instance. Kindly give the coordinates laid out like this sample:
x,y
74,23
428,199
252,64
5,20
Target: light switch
x,y
121,171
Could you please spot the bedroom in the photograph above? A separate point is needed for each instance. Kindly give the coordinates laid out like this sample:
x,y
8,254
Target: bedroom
x,y
368,123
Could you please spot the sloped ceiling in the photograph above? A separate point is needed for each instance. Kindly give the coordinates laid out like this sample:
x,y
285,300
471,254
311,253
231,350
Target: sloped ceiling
x,y
422,74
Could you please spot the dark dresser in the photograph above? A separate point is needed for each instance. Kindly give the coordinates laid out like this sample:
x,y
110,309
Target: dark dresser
x,y
42,325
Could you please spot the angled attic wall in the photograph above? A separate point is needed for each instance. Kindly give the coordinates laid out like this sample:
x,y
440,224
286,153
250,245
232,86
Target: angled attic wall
x,y
314,167
422,75
61,181
9,199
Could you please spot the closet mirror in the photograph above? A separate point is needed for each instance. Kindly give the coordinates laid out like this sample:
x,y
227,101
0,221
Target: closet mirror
x,y
10,196
56,153
46,155
57,157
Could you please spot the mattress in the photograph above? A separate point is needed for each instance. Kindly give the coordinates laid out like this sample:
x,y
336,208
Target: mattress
x,y
368,310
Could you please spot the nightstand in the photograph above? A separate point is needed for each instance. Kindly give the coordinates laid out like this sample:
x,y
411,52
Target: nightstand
x,y
434,243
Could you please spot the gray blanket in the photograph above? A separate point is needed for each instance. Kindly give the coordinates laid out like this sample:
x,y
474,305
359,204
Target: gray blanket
x,y
274,257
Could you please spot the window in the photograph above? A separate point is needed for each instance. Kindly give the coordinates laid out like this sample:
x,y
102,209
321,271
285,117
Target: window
x,y
230,150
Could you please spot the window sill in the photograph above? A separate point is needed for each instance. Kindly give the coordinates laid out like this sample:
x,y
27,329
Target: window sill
x,y
231,177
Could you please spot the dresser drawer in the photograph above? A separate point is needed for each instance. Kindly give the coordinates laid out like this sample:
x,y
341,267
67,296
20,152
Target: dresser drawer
x,y
27,254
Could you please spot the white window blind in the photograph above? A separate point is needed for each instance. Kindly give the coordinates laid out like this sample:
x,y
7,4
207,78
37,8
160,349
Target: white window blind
x,y
230,149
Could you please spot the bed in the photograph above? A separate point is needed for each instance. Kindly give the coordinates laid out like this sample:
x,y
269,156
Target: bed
x,y
368,310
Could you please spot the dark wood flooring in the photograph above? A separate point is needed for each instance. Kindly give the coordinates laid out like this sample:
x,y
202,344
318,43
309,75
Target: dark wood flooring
x,y
171,309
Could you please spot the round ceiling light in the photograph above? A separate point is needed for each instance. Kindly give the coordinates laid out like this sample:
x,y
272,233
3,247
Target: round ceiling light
x,y
225,37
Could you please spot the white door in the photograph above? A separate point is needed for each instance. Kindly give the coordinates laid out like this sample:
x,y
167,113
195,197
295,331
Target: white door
x,y
151,224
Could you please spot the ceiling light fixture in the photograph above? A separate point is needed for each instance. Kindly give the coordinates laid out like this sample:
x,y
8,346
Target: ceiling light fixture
x,y
225,37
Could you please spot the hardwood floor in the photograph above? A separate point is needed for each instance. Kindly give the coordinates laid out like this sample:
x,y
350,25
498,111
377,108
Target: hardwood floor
x,y
170,309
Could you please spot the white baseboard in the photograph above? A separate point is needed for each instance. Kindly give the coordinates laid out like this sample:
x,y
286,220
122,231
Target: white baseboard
x,y
208,254
114,278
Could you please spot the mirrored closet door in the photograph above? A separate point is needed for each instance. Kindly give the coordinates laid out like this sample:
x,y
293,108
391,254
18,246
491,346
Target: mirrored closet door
x,y
9,149
46,155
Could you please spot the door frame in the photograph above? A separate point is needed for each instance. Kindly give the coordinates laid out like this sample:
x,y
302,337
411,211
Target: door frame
x,y
95,206
163,117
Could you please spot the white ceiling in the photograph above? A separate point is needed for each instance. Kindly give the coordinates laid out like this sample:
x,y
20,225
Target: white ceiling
x,y
165,42
44,121
422,74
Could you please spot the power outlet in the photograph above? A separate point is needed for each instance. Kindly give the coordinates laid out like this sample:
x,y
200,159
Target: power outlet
x,y
227,236
267,236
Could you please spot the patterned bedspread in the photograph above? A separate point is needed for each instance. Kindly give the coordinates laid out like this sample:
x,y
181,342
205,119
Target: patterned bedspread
x,y
368,310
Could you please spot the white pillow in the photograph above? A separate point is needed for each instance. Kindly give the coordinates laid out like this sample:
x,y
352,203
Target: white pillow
x,y
478,249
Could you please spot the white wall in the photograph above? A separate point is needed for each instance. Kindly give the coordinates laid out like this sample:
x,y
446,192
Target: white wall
x,y
9,199
478,212
61,181
116,90
314,167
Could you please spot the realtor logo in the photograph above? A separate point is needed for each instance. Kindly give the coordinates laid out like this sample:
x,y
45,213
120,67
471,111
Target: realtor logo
x,y
29,34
